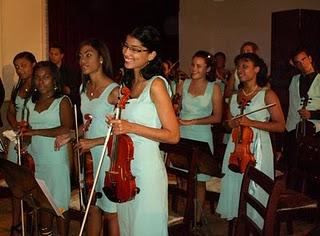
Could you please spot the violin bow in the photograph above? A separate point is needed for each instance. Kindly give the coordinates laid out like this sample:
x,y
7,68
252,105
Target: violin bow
x,y
248,113
173,65
80,168
19,140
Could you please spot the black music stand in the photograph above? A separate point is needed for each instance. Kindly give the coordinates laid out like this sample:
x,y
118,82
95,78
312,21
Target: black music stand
x,y
24,186
204,163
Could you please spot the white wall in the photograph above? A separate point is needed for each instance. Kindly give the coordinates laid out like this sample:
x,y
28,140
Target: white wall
x,y
224,25
23,27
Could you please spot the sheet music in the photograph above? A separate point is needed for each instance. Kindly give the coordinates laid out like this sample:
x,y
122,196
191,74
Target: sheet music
x,y
46,192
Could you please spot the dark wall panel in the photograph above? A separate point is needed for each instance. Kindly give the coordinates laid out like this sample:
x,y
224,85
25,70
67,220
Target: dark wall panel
x,y
72,21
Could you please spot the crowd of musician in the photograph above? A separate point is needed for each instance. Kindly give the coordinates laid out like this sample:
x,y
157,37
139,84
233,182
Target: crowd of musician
x,y
60,116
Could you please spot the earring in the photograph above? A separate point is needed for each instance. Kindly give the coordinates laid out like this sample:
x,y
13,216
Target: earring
x,y
55,87
35,90
101,62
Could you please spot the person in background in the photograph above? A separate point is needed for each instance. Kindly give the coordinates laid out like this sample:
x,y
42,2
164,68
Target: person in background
x,y
252,72
148,119
304,85
50,115
23,63
68,76
201,107
222,75
233,82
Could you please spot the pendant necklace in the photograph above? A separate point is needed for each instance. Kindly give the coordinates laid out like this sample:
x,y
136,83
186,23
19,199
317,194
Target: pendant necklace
x,y
250,93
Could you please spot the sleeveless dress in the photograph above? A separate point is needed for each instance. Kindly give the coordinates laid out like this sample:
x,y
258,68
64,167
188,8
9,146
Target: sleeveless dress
x,y
50,165
147,214
262,150
194,107
99,108
12,152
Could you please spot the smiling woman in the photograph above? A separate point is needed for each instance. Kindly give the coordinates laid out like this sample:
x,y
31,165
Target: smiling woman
x,y
253,95
148,119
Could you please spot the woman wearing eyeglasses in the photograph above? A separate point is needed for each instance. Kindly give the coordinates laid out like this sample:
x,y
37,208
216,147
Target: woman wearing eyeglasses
x,y
148,119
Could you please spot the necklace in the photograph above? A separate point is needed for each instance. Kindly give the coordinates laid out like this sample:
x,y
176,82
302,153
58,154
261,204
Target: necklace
x,y
250,93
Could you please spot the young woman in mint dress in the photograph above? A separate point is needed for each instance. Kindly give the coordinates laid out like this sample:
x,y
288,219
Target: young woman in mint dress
x,y
99,94
23,63
148,119
201,107
252,72
50,115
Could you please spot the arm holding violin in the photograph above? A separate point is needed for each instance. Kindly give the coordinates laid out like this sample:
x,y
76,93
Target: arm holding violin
x,y
216,112
86,144
169,133
306,114
277,122
66,119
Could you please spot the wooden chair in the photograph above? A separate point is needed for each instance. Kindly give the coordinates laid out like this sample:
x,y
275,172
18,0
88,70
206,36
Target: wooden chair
x,y
4,189
184,161
244,224
302,201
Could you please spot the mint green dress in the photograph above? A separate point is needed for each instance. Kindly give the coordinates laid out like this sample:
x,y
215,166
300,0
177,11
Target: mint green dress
x,y
147,214
194,107
262,150
50,165
12,152
99,108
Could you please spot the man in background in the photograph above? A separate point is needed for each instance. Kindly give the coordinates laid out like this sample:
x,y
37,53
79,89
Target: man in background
x,y
69,78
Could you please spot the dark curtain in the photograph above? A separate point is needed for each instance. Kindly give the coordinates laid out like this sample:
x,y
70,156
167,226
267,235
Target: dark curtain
x,y
72,21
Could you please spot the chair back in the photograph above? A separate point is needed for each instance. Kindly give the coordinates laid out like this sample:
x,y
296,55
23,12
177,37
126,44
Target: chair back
x,y
245,225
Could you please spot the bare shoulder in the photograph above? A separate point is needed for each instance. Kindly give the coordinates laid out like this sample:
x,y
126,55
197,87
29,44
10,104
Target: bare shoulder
x,y
271,96
66,102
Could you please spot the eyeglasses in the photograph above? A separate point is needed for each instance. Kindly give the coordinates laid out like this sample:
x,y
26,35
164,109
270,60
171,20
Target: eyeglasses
x,y
133,49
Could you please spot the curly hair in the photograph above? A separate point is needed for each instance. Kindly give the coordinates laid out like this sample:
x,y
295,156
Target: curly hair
x,y
262,78
35,95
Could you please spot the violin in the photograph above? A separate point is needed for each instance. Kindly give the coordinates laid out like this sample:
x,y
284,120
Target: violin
x,y
85,164
120,184
304,127
242,136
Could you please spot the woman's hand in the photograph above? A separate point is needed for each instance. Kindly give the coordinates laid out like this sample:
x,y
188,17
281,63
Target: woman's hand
x,y
304,114
234,123
245,121
84,145
186,122
62,140
119,126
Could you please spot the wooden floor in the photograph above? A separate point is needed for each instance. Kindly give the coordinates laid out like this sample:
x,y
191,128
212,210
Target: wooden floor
x,y
213,225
